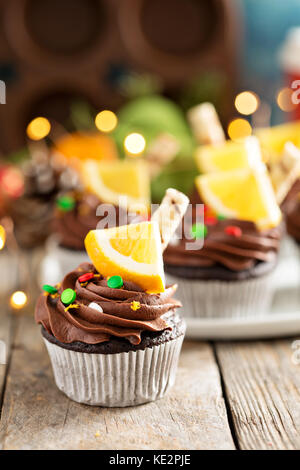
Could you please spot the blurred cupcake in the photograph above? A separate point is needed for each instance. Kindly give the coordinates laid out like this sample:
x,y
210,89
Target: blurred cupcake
x,y
119,191
32,209
111,328
231,274
75,215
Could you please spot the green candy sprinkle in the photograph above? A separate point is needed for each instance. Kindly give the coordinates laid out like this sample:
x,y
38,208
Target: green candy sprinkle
x,y
65,203
49,289
199,230
115,282
68,296
221,217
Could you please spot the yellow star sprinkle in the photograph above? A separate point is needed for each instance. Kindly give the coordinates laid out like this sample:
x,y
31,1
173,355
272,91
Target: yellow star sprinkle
x,y
72,306
135,305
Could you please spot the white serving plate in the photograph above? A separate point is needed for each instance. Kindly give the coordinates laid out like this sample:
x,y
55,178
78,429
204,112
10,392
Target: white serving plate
x,y
284,318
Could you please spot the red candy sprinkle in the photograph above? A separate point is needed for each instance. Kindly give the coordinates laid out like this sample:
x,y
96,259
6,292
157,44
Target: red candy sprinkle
x,y
86,277
211,220
233,230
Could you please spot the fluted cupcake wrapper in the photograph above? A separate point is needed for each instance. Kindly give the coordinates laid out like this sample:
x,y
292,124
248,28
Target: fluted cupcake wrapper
x,y
123,379
224,299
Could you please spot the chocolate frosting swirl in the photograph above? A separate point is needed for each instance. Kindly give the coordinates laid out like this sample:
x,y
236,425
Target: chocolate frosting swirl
x,y
293,219
235,253
118,319
72,226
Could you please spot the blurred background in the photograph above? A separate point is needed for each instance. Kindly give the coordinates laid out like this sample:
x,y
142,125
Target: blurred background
x,y
55,54
147,62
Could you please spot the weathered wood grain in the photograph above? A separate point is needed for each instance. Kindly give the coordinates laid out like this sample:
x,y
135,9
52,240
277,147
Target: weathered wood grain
x,y
36,415
6,334
263,390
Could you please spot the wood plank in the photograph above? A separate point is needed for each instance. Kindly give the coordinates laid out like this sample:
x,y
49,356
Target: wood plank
x,y
262,385
36,415
6,334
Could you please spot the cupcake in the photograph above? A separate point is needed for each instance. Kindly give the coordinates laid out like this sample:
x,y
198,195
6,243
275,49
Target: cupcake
x,y
76,212
229,274
111,328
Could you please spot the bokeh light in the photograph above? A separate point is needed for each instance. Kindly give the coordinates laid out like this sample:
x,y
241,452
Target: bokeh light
x,y
12,182
106,121
246,102
18,300
134,144
238,129
284,100
2,237
38,128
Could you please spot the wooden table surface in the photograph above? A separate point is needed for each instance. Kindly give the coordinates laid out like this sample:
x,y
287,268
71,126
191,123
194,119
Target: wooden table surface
x,y
233,395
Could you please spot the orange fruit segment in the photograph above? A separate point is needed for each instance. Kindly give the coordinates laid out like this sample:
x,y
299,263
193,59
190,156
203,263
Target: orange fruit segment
x,y
222,157
273,139
110,180
84,146
245,194
130,251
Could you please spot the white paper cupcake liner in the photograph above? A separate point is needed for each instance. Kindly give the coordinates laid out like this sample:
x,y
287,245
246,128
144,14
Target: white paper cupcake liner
x,y
224,299
123,379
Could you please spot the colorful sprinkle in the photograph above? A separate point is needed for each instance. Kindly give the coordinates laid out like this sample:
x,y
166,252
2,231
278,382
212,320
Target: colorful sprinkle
x,y
68,296
71,306
221,217
65,203
233,230
96,307
211,221
135,305
208,211
199,230
49,289
86,277
115,282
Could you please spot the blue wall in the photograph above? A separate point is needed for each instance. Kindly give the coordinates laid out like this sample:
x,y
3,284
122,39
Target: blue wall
x,y
266,25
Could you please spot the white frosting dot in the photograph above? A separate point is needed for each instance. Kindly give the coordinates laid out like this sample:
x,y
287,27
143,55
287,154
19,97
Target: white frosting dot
x,y
95,306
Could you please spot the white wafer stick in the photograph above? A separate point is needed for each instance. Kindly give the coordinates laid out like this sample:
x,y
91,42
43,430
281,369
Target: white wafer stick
x,y
285,172
161,152
169,214
253,150
205,124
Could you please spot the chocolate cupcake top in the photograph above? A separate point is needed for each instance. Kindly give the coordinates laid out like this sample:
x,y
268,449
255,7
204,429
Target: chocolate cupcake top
x,y
123,312
234,244
32,211
293,219
75,216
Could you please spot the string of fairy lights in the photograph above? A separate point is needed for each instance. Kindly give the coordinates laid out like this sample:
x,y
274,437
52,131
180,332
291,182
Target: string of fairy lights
x,y
247,103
